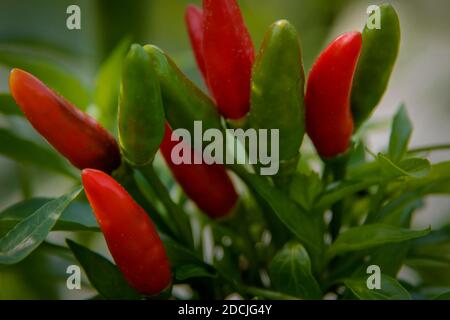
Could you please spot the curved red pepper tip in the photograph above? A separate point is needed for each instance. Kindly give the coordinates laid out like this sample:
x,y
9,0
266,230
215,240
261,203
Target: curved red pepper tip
x,y
351,37
89,176
13,74
95,183
17,77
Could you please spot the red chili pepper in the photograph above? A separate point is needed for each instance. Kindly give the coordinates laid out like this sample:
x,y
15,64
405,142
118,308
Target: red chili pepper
x,y
73,133
209,186
228,54
130,234
328,115
194,23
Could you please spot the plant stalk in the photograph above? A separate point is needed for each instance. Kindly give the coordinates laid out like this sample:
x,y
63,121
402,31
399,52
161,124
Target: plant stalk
x,y
180,217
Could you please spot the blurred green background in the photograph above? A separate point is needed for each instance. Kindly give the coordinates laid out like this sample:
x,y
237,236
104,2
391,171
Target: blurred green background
x,y
33,34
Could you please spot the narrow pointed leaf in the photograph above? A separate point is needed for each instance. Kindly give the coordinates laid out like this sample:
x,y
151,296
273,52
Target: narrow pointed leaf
x,y
369,236
390,289
27,235
400,135
296,219
290,272
20,149
76,217
103,274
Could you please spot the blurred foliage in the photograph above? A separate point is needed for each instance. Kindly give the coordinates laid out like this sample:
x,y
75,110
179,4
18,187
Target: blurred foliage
x,y
33,34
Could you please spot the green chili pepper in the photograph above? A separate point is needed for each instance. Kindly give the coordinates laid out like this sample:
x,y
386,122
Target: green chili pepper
x,y
277,99
141,111
379,53
184,103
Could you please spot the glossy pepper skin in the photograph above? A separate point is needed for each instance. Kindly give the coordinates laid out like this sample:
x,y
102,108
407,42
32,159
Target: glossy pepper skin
x,y
73,133
194,23
130,234
228,54
209,186
329,120
183,101
141,111
278,81
379,53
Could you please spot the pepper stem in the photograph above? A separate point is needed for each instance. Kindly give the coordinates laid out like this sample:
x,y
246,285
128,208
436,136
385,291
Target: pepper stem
x,y
180,217
336,169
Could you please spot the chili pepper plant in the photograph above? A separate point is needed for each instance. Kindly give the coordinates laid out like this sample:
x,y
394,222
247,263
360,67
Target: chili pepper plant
x,y
335,221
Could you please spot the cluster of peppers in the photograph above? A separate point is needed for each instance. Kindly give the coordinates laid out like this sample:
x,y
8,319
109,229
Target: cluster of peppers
x,y
267,91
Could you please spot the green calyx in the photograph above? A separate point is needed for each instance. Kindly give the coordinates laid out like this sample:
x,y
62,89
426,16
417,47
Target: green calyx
x,y
379,53
141,111
184,102
277,98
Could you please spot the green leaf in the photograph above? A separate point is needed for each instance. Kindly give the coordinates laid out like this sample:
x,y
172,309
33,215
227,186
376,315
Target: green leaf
x,y
400,135
369,236
390,257
189,271
290,273
108,84
305,189
399,211
55,76
437,181
76,217
432,251
298,221
103,274
364,172
340,191
440,170
32,231
439,236
444,296
179,257
390,289
28,152
413,191
412,167
389,169
8,106
416,167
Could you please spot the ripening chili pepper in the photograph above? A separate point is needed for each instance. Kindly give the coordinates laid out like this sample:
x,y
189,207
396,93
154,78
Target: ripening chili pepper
x,y
184,103
278,81
329,120
194,23
379,52
209,186
228,54
77,136
130,234
141,112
